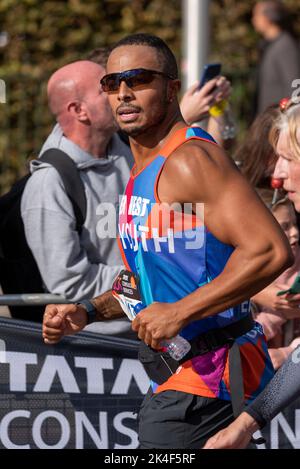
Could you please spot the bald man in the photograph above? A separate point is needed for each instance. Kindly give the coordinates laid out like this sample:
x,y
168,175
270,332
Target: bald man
x,y
71,264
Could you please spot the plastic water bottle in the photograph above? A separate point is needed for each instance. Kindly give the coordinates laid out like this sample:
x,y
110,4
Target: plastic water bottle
x,y
222,112
227,128
177,347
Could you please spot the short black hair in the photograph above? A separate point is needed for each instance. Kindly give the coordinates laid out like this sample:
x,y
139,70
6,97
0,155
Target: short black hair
x,y
165,55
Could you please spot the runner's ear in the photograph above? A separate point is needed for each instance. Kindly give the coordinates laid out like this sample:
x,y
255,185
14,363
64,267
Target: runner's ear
x,y
173,89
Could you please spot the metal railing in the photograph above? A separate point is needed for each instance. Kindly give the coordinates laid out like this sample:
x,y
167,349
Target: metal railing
x,y
32,299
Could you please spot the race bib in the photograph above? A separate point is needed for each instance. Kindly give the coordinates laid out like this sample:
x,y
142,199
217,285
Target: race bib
x,y
126,290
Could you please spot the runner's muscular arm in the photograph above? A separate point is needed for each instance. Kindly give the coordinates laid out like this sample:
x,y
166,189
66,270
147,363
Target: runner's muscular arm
x,y
234,214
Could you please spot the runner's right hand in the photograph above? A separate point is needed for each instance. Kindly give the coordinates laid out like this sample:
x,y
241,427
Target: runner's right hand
x,y
61,320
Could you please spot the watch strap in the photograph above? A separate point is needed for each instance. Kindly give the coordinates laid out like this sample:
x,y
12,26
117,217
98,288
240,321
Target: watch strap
x,y
90,309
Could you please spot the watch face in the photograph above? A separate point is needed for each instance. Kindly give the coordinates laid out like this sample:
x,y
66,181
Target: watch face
x,y
126,290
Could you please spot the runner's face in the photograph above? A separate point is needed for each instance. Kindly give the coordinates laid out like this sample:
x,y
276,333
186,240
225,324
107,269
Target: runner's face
x,y
142,107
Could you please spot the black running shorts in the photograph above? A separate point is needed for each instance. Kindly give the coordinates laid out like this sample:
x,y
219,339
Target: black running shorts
x,y
174,419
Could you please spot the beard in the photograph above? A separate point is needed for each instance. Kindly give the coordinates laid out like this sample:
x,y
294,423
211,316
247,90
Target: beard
x,y
135,130
157,116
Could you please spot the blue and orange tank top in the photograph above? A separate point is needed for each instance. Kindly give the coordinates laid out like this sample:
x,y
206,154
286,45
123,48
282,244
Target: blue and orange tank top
x,y
173,253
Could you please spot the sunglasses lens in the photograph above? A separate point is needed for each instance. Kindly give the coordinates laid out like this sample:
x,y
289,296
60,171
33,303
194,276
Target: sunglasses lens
x,y
143,77
132,78
110,82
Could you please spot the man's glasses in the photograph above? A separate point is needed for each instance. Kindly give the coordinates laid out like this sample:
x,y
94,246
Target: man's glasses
x,y
132,78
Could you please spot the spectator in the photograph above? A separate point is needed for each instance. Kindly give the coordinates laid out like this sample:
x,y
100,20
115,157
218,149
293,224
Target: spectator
x,y
195,104
281,391
273,311
255,155
279,62
284,387
74,265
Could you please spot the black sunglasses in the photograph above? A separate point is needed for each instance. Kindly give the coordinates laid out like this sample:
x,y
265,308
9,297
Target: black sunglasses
x,y
132,78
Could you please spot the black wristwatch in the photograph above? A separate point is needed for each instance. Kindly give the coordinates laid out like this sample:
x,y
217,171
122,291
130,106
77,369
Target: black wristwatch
x,y
90,309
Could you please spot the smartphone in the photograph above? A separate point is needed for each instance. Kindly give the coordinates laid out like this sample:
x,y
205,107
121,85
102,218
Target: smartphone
x,y
295,288
210,71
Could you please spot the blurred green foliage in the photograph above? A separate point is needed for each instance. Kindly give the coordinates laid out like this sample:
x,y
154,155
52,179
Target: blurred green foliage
x,y
44,35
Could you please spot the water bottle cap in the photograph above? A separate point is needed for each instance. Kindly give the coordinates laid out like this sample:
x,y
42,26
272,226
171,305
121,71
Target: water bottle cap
x,y
138,307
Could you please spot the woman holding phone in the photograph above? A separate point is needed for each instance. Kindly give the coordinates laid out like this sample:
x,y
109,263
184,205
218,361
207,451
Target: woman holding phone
x,y
202,96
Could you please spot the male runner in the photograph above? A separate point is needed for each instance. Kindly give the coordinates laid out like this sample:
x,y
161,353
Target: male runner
x,y
195,273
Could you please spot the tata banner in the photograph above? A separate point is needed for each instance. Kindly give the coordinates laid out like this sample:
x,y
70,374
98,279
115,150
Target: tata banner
x,y
84,392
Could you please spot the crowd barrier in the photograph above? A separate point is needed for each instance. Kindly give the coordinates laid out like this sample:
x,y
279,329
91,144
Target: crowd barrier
x,y
34,299
83,393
